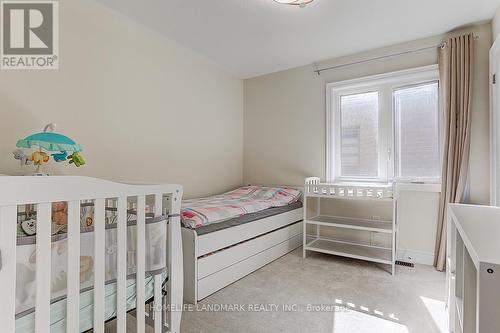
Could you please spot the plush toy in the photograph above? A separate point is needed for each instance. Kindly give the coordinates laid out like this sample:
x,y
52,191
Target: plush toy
x,y
21,156
39,157
77,159
60,213
29,227
60,157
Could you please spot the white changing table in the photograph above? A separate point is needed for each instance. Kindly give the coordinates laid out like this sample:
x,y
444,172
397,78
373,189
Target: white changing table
x,y
371,193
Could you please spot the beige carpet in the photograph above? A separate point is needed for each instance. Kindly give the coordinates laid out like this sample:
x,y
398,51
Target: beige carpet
x,y
322,294
362,297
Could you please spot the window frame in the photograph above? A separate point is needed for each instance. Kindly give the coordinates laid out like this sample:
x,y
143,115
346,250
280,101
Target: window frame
x,y
385,84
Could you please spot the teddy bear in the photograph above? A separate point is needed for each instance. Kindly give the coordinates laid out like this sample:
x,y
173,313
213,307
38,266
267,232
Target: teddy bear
x,y
60,212
39,157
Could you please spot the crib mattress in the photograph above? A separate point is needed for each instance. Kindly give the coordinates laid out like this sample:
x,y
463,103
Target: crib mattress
x,y
26,323
247,218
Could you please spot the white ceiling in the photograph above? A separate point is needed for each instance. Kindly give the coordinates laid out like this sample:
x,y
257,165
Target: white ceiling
x,y
254,37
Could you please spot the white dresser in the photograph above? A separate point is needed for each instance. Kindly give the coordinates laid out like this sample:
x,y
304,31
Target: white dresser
x,y
473,268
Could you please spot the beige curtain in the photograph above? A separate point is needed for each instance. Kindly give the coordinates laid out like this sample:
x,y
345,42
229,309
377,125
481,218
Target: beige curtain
x,y
456,62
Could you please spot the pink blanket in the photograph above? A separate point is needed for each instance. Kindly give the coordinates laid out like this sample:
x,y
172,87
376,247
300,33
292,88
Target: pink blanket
x,y
244,200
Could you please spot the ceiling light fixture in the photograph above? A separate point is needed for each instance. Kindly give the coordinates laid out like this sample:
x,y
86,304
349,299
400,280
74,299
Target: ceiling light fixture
x,y
300,3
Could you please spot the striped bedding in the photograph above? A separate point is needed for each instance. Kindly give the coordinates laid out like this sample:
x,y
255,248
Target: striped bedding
x,y
244,200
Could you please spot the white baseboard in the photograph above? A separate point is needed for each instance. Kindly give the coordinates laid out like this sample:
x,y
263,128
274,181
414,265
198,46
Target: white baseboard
x,y
415,256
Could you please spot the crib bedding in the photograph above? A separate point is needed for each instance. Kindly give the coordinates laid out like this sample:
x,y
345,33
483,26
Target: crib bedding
x,y
27,218
156,263
203,230
26,323
201,212
156,260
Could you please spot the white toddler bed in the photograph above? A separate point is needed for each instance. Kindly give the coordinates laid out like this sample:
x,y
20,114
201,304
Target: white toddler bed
x,y
218,254
131,262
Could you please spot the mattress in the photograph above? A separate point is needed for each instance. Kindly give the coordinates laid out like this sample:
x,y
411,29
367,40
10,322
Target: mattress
x,y
26,323
247,218
196,213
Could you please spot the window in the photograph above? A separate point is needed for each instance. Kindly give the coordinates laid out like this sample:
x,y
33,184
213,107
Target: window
x,y
385,127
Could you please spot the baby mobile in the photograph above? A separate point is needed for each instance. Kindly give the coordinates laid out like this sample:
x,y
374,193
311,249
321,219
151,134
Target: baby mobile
x,y
48,144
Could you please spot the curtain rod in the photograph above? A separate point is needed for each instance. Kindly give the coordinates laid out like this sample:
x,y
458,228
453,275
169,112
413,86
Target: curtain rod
x,y
319,71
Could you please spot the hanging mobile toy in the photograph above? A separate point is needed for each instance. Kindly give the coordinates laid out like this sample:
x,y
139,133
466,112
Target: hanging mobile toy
x,y
63,149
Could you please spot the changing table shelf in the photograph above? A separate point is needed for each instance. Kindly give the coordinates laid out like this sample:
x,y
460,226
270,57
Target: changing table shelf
x,y
351,250
372,193
352,223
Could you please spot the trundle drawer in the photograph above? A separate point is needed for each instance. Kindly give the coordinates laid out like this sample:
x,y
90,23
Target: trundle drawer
x,y
239,269
225,258
221,239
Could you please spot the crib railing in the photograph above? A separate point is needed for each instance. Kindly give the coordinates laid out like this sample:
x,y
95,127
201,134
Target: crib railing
x,y
42,192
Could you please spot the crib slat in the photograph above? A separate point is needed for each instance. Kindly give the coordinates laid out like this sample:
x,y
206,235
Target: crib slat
x,y
99,264
121,282
158,304
141,262
43,267
157,279
175,267
73,300
8,237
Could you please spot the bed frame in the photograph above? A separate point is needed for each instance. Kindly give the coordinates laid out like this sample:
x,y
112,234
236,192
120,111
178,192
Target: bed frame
x,y
214,260
42,191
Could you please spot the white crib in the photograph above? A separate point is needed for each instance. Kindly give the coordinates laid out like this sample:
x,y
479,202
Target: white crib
x,y
42,192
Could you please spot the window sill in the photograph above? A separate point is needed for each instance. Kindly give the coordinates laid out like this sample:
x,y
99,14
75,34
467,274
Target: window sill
x,y
360,183
400,186
421,187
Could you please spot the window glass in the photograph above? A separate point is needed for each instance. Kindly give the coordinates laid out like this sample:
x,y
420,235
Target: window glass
x,y
359,135
416,111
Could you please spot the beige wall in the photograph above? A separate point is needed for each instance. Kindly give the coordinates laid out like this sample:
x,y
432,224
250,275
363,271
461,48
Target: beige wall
x,y
143,107
284,128
495,24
